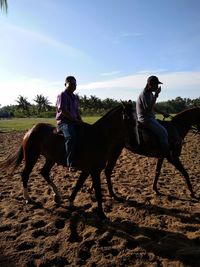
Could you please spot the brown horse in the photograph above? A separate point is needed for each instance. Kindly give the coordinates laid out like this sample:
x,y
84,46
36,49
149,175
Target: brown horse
x,y
95,144
177,129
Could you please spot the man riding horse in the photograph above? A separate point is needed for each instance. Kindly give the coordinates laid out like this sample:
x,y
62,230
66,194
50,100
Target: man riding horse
x,y
67,116
145,108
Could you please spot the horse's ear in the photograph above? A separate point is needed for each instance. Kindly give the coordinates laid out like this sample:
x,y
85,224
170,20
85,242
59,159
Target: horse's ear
x,y
123,103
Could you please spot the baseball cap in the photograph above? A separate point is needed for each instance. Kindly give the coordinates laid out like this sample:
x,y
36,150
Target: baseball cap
x,y
153,79
70,79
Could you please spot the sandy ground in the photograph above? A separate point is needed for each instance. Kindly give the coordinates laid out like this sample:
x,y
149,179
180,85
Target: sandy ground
x,y
144,230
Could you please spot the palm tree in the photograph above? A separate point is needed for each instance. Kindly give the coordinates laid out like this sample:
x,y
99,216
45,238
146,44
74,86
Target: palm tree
x,y
109,103
84,102
43,103
4,5
23,104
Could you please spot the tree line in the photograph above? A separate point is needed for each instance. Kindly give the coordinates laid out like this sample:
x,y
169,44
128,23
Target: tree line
x,y
89,106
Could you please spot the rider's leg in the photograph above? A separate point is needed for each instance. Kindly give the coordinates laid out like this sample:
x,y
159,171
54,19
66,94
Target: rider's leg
x,y
69,132
161,133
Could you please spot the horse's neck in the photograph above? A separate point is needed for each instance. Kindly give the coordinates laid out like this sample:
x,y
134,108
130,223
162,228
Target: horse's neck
x,y
183,130
184,122
109,128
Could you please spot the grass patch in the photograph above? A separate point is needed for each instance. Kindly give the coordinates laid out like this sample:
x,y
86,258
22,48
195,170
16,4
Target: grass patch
x,y
21,124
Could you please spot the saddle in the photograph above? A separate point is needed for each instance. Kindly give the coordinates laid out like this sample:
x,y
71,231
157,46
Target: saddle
x,y
149,139
143,130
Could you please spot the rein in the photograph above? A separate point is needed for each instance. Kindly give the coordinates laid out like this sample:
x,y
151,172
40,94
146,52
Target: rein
x,y
194,129
170,116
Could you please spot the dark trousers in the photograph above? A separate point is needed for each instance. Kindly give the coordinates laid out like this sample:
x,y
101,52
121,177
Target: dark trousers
x,y
69,133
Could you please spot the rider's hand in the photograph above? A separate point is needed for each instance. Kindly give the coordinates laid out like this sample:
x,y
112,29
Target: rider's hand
x,y
165,115
157,92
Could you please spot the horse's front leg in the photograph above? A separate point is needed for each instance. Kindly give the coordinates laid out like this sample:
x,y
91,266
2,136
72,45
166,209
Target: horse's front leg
x,y
97,187
108,171
83,176
177,163
45,173
158,169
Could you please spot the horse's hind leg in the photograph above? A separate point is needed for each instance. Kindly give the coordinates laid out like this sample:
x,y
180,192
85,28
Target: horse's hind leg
x,y
177,163
30,161
158,168
97,187
108,171
45,173
83,176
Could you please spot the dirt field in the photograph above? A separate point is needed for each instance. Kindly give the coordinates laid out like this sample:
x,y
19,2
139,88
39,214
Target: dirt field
x,y
145,230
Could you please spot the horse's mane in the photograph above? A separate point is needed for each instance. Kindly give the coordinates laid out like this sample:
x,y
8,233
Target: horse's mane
x,y
107,114
99,121
188,111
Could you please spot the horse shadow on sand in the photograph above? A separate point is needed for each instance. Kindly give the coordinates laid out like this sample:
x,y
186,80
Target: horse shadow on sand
x,y
154,241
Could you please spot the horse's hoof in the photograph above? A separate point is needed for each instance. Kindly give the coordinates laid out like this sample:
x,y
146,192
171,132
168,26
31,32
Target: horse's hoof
x,y
102,216
29,201
119,199
57,199
93,198
193,196
157,193
70,204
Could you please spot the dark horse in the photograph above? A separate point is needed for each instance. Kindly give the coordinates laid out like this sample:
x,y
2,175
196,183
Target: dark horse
x,y
95,144
177,129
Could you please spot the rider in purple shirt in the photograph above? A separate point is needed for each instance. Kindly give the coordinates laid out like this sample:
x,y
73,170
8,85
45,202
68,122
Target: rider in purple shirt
x,y
67,115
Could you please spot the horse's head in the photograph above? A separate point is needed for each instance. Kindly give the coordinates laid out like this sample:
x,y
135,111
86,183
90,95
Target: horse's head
x,y
198,120
196,125
197,128
187,119
130,122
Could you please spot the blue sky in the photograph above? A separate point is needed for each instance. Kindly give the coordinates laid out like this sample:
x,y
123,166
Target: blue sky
x,y
110,46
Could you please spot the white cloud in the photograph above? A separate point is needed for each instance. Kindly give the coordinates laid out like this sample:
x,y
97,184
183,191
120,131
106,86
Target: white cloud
x,y
173,79
125,35
184,84
152,71
130,34
39,37
111,73
28,88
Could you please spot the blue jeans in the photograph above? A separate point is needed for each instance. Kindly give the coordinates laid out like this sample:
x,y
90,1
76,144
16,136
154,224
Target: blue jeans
x,y
160,132
69,133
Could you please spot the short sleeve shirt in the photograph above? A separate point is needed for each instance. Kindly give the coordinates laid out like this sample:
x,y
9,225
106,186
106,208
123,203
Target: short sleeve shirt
x,y
144,105
66,101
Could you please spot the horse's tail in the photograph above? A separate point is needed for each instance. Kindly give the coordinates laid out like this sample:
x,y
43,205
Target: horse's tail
x,y
13,161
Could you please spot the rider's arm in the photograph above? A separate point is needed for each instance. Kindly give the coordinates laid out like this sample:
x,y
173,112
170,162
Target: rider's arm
x,y
165,114
63,107
67,114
